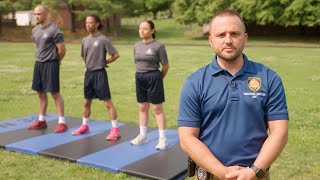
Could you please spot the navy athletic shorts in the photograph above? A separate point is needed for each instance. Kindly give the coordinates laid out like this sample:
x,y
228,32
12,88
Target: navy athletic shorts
x,y
96,85
149,87
46,76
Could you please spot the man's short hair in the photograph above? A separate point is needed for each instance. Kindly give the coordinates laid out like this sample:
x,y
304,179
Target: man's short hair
x,y
227,13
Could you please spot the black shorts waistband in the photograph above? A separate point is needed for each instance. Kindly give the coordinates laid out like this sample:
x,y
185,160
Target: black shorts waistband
x,y
48,61
152,71
96,70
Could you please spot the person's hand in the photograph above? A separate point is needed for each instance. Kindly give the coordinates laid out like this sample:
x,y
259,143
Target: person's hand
x,y
242,174
59,61
229,170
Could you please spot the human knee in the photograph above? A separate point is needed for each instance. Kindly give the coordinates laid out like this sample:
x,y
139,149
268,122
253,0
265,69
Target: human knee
x,y
144,107
157,109
56,96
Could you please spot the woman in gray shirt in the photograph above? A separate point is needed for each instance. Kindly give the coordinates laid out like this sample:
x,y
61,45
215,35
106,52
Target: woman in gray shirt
x,y
148,55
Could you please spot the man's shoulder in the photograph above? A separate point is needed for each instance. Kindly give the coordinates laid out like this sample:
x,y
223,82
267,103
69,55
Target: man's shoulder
x,y
260,67
199,74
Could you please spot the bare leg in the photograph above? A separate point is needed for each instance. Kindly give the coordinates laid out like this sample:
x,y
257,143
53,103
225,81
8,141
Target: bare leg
x,y
112,110
160,116
86,108
43,102
144,114
59,103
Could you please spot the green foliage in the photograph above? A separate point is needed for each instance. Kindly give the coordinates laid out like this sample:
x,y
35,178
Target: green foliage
x,y
200,12
261,12
302,13
155,6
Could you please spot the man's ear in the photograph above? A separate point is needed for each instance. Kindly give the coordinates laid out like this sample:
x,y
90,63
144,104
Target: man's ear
x,y
209,40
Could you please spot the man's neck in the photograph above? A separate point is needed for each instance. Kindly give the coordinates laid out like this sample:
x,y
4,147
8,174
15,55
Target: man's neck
x,y
95,33
44,23
231,66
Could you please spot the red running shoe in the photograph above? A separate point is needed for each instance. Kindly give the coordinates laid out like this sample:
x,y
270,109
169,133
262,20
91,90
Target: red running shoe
x,y
61,128
38,125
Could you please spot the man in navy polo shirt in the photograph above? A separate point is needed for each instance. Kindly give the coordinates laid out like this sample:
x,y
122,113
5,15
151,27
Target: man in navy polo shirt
x,y
228,107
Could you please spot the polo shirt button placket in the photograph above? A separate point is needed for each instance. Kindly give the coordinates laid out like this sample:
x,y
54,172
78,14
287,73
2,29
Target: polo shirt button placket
x,y
234,96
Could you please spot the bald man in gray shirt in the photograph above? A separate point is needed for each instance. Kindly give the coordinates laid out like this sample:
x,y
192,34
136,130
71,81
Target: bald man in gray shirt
x,y
50,50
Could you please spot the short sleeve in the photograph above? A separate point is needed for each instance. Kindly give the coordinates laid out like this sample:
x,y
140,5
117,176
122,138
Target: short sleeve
x,y
163,55
276,108
110,48
58,36
190,107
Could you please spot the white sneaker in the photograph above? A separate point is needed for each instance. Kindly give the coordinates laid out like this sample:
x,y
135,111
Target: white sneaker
x,y
140,139
162,144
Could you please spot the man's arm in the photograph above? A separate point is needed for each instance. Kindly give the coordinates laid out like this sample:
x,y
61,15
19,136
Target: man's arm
x,y
273,145
61,51
270,150
113,57
200,153
165,68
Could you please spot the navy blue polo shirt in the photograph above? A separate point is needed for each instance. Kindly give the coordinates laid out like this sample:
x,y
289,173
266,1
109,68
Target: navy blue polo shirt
x,y
232,111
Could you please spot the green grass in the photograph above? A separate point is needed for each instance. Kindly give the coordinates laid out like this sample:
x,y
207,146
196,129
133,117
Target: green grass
x,y
298,68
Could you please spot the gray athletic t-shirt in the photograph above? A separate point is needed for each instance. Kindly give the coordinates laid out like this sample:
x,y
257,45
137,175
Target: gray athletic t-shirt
x,y
46,39
148,56
94,50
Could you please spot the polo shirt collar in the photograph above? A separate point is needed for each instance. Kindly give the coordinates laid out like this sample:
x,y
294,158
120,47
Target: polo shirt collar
x,y
247,66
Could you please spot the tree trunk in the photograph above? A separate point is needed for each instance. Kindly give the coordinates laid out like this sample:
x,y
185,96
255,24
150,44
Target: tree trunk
x,y
73,17
154,14
115,25
302,30
108,25
1,24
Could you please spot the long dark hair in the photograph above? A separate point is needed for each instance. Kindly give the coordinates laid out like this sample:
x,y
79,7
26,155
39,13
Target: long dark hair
x,y
151,24
96,19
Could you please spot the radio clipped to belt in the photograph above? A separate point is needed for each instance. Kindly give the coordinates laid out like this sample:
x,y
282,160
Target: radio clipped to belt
x,y
191,167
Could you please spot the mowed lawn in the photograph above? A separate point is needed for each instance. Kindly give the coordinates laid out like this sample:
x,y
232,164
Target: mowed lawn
x,y
298,68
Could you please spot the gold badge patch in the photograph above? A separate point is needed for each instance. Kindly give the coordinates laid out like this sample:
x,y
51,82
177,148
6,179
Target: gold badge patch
x,y
254,83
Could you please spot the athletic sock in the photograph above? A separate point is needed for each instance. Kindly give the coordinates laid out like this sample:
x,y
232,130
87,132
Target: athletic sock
x,y
143,130
85,120
114,123
62,120
162,133
42,117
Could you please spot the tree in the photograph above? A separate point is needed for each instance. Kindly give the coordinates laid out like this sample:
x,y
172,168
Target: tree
x,y
155,6
200,11
262,12
7,6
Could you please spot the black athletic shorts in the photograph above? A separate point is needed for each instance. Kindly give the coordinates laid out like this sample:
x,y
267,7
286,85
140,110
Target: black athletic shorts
x,y
149,87
46,76
96,85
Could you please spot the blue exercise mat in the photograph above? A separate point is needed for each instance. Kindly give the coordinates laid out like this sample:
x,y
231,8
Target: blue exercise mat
x,y
23,122
114,158
40,143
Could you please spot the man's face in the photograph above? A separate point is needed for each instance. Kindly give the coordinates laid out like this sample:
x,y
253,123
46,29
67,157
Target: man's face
x,y
227,37
40,14
91,24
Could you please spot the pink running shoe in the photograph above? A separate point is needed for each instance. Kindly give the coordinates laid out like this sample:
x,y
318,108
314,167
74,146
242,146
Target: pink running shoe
x,y
82,130
114,134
